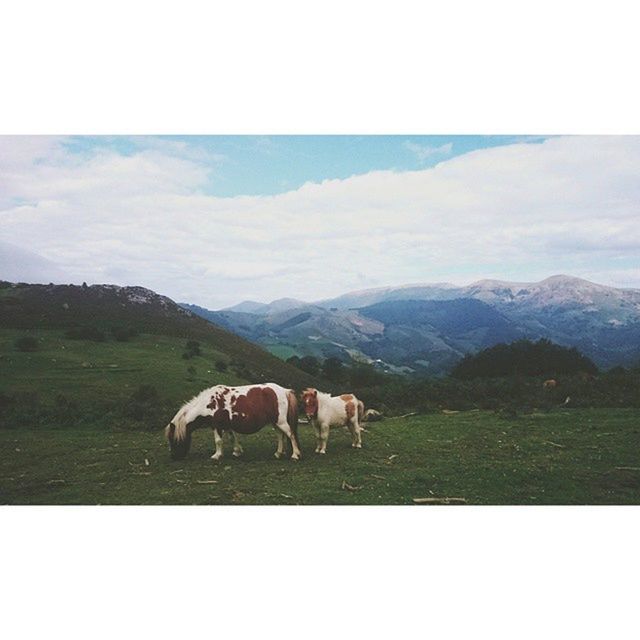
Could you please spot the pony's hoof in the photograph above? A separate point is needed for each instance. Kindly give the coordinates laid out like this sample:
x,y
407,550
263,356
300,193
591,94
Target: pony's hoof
x,y
295,458
237,454
277,455
215,457
323,453
357,446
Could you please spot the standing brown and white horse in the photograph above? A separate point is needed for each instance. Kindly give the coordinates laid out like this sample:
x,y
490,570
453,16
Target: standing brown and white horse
x,y
244,409
325,411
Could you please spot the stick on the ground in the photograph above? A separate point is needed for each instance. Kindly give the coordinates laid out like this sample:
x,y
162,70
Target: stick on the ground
x,y
439,501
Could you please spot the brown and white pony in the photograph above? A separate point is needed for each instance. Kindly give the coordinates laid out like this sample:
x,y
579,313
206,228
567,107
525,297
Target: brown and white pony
x,y
325,411
238,410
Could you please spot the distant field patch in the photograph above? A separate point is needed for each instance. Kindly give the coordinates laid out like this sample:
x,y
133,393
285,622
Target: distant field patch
x,y
282,351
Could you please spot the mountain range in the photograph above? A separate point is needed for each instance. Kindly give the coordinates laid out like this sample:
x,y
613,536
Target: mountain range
x,y
429,327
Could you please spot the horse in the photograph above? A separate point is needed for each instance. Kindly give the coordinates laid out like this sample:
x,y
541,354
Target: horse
x,y
325,411
549,384
239,410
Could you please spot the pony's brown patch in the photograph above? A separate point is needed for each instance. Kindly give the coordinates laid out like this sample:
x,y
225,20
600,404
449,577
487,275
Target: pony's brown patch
x,y
221,415
217,399
310,402
351,409
346,397
252,411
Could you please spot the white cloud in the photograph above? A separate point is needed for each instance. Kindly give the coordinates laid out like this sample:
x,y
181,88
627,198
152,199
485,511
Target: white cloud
x,y
425,152
570,204
20,265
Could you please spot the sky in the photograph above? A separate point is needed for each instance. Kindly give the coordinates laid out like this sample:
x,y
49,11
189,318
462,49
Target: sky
x,y
215,220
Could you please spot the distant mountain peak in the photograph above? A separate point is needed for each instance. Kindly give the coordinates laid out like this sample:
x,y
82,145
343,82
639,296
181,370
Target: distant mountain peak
x,y
564,279
489,283
247,306
261,308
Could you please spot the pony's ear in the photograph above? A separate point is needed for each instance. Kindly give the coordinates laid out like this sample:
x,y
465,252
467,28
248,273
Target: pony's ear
x,y
170,430
315,393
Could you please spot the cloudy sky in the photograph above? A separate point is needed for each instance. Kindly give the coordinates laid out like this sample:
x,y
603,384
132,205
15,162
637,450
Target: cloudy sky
x,y
219,219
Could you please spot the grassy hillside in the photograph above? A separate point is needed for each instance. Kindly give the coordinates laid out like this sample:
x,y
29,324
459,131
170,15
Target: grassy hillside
x,y
87,370
582,456
129,362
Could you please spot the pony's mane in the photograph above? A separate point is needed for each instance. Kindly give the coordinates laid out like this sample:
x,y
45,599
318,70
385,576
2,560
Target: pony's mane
x,y
318,392
180,419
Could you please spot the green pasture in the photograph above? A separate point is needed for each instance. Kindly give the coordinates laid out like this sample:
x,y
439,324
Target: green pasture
x,y
99,372
579,456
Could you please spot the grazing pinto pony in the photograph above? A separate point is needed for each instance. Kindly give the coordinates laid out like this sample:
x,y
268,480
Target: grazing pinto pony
x,y
325,411
237,410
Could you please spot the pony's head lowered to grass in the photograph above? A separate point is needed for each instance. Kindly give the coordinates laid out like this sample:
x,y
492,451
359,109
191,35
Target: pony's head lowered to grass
x,y
194,414
178,431
179,440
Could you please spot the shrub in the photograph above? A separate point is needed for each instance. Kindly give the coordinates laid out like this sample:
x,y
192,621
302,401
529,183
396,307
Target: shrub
x,y
332,369
123,334
6,402
26,343
144,404
145,393
310,365
192,348
64,409
243,371
523,358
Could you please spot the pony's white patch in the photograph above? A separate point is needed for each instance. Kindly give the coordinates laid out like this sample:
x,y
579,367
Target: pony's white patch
x,y
332,412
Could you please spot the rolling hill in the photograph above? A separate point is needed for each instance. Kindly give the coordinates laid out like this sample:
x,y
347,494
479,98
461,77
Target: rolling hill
x,y
96,345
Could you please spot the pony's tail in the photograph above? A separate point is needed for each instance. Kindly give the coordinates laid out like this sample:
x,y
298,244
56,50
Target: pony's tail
x,y
360,411
292,414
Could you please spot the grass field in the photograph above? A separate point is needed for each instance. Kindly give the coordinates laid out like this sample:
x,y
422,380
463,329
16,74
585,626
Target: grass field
x,y
579,456
282,351
86,370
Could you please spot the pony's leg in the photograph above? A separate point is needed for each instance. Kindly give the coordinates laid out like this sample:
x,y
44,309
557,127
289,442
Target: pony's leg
x,y
316,426
218,440
324,437
356,438
237,447
280,452
286,429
